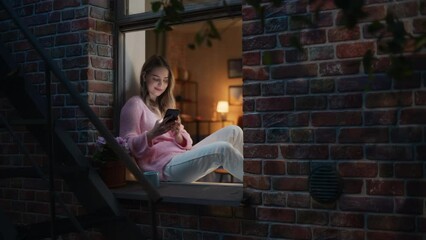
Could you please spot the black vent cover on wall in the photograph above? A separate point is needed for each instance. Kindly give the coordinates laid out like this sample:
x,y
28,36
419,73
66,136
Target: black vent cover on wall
x,y
325,184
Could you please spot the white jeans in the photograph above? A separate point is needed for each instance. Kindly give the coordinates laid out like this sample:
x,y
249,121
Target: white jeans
x,y
222,148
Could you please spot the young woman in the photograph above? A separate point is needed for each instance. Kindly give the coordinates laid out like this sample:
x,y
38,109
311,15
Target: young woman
x,y
166,147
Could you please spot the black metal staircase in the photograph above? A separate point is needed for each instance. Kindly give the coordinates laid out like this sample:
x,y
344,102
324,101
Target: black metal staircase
x,y
103,210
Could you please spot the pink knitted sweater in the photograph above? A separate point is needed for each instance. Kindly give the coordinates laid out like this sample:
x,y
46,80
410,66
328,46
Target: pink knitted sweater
x,y
135,121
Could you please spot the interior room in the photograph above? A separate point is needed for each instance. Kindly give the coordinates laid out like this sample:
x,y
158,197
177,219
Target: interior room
x,y
208,87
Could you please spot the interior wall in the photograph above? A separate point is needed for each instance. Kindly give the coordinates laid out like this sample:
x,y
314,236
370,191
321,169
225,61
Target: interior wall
x,y
209,67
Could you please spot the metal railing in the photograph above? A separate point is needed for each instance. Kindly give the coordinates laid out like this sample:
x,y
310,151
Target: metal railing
x,y
152,193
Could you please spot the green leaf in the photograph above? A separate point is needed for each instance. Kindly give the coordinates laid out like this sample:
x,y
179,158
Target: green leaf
x,y
420,42
367,62
375,27
155,6
295,42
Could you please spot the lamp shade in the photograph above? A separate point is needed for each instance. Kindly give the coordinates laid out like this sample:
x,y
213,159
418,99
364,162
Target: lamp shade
x,y
222,107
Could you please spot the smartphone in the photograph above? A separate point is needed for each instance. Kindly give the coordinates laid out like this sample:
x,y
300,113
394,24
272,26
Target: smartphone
x,y
171,114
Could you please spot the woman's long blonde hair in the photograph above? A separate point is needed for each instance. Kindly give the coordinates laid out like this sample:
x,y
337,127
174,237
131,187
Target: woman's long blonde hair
x,y
165,100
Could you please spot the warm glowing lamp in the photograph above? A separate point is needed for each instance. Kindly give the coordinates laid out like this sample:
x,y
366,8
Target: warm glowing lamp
x,y
222,108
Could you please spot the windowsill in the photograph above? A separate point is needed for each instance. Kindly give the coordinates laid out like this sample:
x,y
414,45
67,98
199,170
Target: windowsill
x,y
201,193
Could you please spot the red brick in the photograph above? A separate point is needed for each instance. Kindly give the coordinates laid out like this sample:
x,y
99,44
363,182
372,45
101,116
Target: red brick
x,y
58,5
220,225
371,235
321,53
274,199
389,152
274,167
252,28
394,99
351,50
67,39
274,104
405,205
260,151
257,182
251,120
277,135
352,185
248,105
363,135
297,86
251,89
253,166
102,63
409,170
416,188
312,217
254,135
298,200
313,37
395,223
276,214
358,169
325,135
259,42
305,152
80,24
253,228
345,101
310,103
99,87
103,26
302,135
290,232
420,97
347,234
366,204
343,34
351,84
294,71
249,13
341,118
385,187
386,170
346,67
290,183
342,219
379,117
251,58
298,168
273,88
404,9
255,73
413,116
346,152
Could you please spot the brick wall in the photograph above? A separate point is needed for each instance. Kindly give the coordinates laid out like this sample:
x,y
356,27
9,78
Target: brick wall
x,y
299,110
78,36
319,106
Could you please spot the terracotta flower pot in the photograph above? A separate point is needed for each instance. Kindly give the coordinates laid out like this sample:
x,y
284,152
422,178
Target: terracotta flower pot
x,y
113,173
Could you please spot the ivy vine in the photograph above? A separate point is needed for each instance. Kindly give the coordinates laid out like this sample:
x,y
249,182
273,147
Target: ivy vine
x,y
391,36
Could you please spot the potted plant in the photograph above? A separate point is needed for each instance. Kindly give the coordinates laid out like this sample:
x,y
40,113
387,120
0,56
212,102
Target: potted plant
x,y
111,168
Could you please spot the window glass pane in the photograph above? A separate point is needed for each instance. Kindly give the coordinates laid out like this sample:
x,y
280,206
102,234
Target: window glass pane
x,y
138,6
138,46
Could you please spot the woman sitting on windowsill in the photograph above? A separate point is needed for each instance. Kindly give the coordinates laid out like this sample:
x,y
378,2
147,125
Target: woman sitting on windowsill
x,y
165,146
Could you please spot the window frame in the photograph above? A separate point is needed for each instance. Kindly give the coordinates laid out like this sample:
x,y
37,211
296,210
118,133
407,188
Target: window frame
x,y
146,21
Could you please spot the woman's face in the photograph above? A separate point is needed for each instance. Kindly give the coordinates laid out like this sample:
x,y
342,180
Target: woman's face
x,y
157,81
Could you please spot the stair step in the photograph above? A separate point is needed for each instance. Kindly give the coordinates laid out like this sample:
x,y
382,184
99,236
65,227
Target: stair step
x,y
41,230
20,121
14,172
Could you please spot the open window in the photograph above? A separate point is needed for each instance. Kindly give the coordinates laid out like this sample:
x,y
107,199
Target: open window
x,y
202,75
